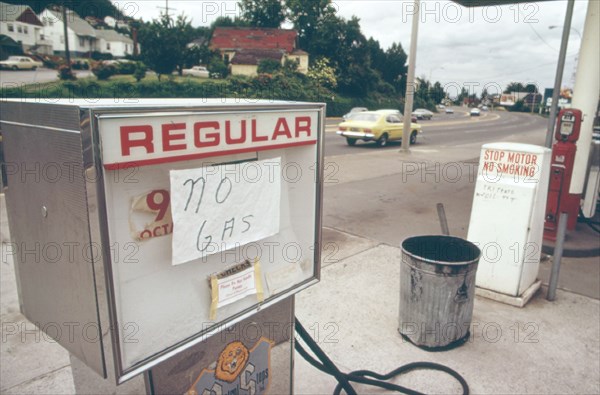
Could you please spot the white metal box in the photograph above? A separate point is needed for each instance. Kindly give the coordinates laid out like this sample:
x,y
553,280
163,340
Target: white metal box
x,y
96,193
507,217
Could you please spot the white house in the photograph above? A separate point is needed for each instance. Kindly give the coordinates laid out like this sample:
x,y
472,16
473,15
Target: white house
x,y
115,23
82,36
20,23
110,41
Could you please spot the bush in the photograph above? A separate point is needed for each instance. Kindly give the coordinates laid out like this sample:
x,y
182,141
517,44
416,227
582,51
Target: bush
x,y
97,56
80,65
268,66
217,68
140,71
103,71
65,73
126,67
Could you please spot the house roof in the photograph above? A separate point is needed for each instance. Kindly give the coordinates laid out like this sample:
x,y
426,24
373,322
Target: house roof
x,y
254,56
18,13
113,36
233,38
74,22
198,42
299,52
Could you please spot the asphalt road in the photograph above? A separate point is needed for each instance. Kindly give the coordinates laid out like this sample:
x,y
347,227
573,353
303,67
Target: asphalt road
x,y
11,78
445,130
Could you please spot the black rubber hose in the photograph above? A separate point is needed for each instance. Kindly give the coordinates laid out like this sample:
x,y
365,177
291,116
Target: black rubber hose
x,y
366,376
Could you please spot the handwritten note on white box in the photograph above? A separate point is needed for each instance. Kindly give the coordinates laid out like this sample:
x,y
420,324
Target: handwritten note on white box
x,y
217,208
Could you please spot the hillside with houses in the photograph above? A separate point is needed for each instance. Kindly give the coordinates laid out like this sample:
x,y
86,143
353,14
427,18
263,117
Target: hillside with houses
x,y
23,31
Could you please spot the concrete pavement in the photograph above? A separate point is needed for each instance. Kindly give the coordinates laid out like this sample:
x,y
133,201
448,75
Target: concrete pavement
x,y
374,200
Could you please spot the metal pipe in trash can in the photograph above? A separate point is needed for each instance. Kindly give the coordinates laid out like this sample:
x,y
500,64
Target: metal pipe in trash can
x,y
443,220
558,252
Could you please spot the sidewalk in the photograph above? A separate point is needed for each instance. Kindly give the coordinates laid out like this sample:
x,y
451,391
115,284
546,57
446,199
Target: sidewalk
x,y
546,347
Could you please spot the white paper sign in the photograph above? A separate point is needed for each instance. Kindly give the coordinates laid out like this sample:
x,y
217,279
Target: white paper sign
x,y
217,208
236,287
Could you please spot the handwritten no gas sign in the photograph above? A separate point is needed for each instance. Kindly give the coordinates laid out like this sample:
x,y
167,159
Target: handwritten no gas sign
x,y
217,208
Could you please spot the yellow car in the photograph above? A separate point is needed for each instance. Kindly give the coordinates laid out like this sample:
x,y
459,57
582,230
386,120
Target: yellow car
x,y
379,126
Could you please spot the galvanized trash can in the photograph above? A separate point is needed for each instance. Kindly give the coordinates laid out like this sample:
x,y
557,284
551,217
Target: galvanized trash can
x,y
437,290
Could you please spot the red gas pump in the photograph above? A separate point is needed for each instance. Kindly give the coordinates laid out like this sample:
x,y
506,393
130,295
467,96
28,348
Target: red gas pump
x,y
563,158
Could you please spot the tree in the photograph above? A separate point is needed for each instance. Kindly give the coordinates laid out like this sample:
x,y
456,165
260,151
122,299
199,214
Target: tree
x,y
225,21
323,74
437,92
164,42
263,13
395,69
514,87
464,93
376,55
308,18
531,88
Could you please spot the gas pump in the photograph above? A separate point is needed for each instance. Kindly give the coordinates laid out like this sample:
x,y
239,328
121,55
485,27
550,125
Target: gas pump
x,y
563,158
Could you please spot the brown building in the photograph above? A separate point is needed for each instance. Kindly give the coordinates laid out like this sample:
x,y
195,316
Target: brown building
x,y
245,48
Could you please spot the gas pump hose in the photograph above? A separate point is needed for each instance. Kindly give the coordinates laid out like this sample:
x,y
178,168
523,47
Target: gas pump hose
x,y
367,377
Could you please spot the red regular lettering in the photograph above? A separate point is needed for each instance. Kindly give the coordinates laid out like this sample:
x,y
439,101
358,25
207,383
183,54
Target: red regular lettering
x,y
210,139
208,134
168,137
230,140
128,141
302,126
281,129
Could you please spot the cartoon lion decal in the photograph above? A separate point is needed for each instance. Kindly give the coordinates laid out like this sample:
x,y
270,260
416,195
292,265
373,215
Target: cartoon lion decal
x,y
232,361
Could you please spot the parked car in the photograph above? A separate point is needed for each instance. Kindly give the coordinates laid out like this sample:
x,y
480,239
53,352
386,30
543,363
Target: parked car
x,y
20,63
354,111
422,113
378,126
449,110
196,71
475,112
484,108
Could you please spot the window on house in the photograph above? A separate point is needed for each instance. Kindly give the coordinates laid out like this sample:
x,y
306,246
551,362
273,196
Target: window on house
x,y
226,58
42,37
11,27
81,42
19,29
108,46
25,30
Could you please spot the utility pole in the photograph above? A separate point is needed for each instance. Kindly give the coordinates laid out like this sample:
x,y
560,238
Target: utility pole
x,y
66,33
410,79
166,8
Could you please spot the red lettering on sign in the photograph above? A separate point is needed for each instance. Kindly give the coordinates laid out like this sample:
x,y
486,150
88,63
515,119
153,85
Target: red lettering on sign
x,y
231,140
302,126
255,136
212,139
281,129
168,137
128,142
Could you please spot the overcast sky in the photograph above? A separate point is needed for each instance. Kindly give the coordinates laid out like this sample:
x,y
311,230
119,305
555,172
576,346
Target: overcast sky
x,y
484,46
